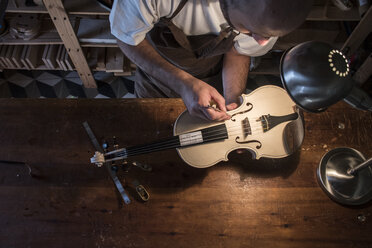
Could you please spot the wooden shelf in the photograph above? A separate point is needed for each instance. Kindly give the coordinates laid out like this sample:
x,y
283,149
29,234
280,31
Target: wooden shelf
x,y
39,68
48,35
44,68
91,33
73,7
98,59
89,44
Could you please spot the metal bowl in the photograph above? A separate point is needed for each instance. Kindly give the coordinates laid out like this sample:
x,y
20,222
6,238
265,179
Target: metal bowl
x,y
338,184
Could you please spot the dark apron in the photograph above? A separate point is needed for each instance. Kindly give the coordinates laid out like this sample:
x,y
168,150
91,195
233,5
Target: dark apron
x,y
199,55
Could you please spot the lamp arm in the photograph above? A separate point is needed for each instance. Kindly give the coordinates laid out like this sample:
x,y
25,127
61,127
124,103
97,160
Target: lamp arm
x,y
359,167
359,99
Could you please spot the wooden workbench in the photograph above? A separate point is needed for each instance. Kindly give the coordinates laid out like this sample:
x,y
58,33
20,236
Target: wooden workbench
x,y
240,203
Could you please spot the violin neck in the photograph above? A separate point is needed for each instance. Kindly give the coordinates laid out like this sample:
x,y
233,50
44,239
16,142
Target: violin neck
x,y
209,134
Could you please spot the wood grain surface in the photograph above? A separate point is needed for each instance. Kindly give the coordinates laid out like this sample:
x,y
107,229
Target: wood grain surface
x,y
239,203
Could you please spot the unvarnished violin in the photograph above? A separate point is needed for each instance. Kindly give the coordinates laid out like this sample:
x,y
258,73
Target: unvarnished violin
x,y
267,123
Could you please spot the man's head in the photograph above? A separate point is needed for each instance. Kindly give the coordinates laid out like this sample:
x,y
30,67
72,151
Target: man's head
x,y
265,18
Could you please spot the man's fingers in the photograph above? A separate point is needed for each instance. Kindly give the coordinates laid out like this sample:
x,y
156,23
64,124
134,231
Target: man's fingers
x,y
232,106
216,97
215,115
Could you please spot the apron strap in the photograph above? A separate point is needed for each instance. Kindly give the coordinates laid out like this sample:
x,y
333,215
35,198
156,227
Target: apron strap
x,y
179,8
227,35
178,34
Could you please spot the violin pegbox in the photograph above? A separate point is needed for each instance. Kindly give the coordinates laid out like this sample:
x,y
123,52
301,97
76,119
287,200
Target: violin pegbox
x,y
98,159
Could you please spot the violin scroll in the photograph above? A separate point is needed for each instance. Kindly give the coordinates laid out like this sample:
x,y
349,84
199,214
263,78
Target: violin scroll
x,y
98,159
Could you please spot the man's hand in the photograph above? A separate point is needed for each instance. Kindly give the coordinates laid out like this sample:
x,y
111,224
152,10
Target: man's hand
x,y
199,98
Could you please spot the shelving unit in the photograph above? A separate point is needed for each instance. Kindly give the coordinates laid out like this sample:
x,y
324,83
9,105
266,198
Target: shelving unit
x,y
83,28
73,7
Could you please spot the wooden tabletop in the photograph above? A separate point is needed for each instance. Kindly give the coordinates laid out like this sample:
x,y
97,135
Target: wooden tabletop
x,y
239,203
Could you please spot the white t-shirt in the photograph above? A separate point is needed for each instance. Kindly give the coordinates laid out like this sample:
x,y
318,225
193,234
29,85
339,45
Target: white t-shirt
x,y
131,20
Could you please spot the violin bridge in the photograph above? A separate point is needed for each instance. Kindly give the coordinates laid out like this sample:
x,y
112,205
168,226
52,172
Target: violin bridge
x,y
246,127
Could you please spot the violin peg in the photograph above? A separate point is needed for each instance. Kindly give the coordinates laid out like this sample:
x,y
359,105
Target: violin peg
x,y
115,143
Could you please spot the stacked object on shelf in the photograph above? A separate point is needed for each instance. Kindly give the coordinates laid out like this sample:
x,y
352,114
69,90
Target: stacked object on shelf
x,y
56,57
25,26
19,56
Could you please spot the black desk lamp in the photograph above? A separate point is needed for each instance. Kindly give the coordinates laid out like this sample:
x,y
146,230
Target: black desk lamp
x,y
316,76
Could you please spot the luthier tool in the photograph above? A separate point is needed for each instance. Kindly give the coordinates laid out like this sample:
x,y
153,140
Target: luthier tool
x,y
113,168
112,173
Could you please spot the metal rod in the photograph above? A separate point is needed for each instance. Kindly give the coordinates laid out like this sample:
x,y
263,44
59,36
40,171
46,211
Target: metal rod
x,y
361,166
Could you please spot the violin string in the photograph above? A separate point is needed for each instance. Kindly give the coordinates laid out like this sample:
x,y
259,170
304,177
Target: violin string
x,y
172,143
159,148
255,126
233,130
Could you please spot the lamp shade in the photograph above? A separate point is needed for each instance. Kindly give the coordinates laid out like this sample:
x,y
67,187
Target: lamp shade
x,y
315,75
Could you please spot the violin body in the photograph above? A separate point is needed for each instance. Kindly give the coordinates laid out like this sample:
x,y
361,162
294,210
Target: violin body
x,y
267,123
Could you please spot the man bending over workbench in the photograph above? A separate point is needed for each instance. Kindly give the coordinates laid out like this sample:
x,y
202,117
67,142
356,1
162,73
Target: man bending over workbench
x,y
200,49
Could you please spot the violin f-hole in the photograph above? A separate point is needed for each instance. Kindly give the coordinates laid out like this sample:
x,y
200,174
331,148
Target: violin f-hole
x,y
250,107
249,141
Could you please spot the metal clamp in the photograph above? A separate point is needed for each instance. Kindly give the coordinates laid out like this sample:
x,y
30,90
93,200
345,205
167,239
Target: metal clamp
x,y
141,191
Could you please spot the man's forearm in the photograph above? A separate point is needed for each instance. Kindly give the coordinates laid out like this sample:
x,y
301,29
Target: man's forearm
x,y
196,94
234,75
150,61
